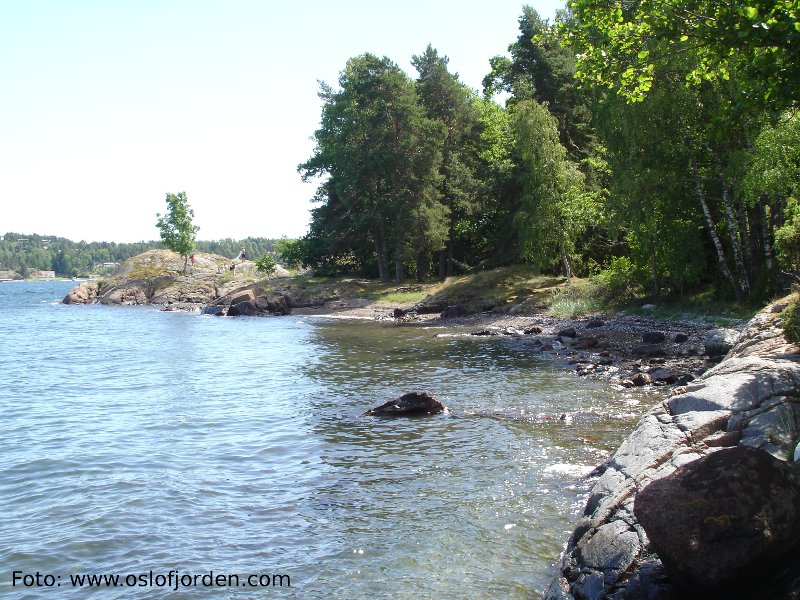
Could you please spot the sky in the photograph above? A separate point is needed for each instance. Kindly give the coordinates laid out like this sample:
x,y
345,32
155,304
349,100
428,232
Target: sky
x,y
108,105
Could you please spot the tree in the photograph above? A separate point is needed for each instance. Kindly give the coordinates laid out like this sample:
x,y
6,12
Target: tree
x,y
541,68
555,208
176,228
266,264
378,150
449,102
620,44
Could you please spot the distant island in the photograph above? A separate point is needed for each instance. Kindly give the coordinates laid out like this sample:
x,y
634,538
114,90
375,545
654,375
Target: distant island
x,y
34,255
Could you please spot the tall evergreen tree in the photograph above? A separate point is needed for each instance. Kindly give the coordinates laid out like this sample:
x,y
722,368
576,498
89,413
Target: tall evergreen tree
x,y
376,145
450,103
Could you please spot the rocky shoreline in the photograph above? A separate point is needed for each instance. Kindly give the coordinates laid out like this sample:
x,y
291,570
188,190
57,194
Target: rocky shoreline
x,y
728,393
625,349
702,500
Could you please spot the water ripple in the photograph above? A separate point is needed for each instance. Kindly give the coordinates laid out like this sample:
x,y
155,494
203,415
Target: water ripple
x,y
132,439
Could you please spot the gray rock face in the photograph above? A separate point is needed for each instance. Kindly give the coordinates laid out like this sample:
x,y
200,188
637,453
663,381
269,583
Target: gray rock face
x,y
751,400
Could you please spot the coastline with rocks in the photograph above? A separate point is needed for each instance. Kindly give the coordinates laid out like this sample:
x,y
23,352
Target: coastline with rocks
x,y
666,517
626,349
703,498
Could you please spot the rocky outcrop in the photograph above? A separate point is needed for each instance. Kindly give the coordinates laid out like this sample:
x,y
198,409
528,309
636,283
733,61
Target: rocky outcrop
x,y
83,293
157,277
750,400
411,404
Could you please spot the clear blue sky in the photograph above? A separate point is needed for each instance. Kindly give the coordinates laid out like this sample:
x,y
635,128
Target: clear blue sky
x,y
107,105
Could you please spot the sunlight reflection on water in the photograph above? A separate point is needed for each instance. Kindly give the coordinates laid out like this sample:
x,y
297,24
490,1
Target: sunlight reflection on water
x,y
134,440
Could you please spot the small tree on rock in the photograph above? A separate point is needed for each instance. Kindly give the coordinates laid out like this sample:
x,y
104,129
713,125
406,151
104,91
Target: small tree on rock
x,y
177,231
266,264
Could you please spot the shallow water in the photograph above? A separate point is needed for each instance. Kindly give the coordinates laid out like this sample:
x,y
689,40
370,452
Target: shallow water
x,y
133,440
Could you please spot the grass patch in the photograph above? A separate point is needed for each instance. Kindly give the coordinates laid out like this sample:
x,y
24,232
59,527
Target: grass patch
x,y
791,321
704,306
486,290
147,271
578,297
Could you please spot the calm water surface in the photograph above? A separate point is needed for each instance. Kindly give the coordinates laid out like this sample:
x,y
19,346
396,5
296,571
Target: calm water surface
x,y
133,440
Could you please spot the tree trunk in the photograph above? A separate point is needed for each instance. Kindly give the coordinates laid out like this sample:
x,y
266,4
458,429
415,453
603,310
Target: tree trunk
x,y
733,229
442,265
380,250
566,264
765,233
654,267
450,257
744,232
422,266
399,271
723,266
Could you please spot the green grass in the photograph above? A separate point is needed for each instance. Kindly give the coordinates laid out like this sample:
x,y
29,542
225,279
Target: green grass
x,y
704,306
791,320
497,287
577,298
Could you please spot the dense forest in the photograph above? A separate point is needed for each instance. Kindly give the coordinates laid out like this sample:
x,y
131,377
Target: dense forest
x,y
655,147
26,254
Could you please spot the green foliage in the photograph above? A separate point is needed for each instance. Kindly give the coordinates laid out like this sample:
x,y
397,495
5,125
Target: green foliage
x,y
787,238
791,321
290,252
266,264
175,226
555,209
771,166
621,282
757,43
541,68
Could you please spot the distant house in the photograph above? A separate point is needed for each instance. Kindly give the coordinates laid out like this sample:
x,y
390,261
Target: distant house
x,y
46,274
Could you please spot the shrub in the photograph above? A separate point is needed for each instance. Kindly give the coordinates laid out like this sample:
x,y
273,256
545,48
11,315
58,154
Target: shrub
x,y
266,264
620,282
791,321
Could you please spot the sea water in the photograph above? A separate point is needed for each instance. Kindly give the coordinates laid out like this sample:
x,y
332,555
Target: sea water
x,y
174,450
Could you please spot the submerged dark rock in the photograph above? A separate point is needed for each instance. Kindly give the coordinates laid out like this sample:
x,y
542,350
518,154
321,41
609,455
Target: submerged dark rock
x,y
411,404
653,337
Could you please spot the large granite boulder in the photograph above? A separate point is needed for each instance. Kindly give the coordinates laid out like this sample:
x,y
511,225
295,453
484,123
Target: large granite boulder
x,y
411,404
719,519
83,293
720,341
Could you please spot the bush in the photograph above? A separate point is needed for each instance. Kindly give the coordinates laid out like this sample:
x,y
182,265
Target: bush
x,y
787,238
620,282
266,264
791,321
